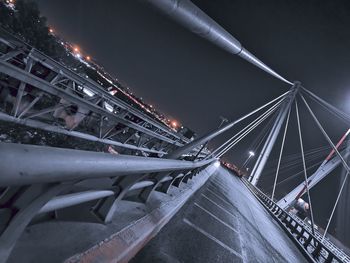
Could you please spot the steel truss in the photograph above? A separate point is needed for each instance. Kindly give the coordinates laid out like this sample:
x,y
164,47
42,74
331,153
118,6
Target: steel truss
x,y
41,93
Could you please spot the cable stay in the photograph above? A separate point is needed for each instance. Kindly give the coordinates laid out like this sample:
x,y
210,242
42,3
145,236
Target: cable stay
x,y
280,156
304,166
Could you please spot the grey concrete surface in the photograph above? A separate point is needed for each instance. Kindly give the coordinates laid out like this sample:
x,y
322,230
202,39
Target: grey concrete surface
x,y
222,222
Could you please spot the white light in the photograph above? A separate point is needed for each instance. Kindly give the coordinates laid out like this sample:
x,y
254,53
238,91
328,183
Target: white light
x,y
217,164
108,107
251,153
88,92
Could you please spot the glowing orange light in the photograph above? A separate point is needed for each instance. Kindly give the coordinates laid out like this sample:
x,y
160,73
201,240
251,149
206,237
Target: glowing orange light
x,y
51,30
88,58
174,124
76,49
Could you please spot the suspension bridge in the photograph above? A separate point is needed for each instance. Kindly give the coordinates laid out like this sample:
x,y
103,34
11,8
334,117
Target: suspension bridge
x,y
157,194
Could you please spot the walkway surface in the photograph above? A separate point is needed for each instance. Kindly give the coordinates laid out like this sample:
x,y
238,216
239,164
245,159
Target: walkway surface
x,y
222,222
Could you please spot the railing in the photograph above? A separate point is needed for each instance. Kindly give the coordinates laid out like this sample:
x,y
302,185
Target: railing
x,y
338,252
36,180
310,245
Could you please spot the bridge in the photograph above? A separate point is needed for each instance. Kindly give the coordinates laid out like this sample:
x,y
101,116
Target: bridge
x,y
114,183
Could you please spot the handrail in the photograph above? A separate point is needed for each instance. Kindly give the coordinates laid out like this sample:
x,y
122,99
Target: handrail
x,y
29,164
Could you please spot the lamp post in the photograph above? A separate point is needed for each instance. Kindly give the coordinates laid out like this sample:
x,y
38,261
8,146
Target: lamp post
x,y
250,155
223,120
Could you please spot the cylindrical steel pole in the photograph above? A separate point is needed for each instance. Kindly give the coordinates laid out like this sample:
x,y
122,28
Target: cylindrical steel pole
x,y
28,164
272,137
191,17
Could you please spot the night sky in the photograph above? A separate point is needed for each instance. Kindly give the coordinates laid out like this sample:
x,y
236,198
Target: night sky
x,y
195,82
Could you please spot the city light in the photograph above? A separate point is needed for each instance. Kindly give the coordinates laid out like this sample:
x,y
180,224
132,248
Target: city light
x,y
76,49
51,30
251,153
174,124
88,58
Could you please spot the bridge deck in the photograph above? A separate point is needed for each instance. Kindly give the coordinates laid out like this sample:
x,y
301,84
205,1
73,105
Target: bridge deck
x,y
222,222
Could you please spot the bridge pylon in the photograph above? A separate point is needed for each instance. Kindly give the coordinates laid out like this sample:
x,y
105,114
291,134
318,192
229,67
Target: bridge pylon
x,y
272,137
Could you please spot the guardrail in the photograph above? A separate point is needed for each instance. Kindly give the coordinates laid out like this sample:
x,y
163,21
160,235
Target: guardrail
x,y
338,252
310,245
37,180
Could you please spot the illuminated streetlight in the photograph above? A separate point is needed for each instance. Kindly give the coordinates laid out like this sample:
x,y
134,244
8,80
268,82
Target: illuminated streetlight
x,y
251,154
88,58
217,164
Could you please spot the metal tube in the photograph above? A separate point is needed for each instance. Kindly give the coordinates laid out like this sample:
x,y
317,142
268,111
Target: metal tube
x,y
68,200
321,172
272,137
28,164
41,84
63,201
61,70
141,184
191,17
51,128
209,136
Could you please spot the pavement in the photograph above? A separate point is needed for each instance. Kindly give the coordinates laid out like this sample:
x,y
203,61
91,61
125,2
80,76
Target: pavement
x,y
222,222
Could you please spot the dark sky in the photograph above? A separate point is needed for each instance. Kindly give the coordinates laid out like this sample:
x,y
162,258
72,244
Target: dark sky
x,y
194,81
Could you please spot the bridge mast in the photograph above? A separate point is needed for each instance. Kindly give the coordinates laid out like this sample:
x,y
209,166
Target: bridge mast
x,y
271,139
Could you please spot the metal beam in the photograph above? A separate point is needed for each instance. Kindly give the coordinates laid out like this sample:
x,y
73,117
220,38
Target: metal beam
x,y
51,128
314,179
29,164
191,17
47,87
96,88
67,200
272,137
